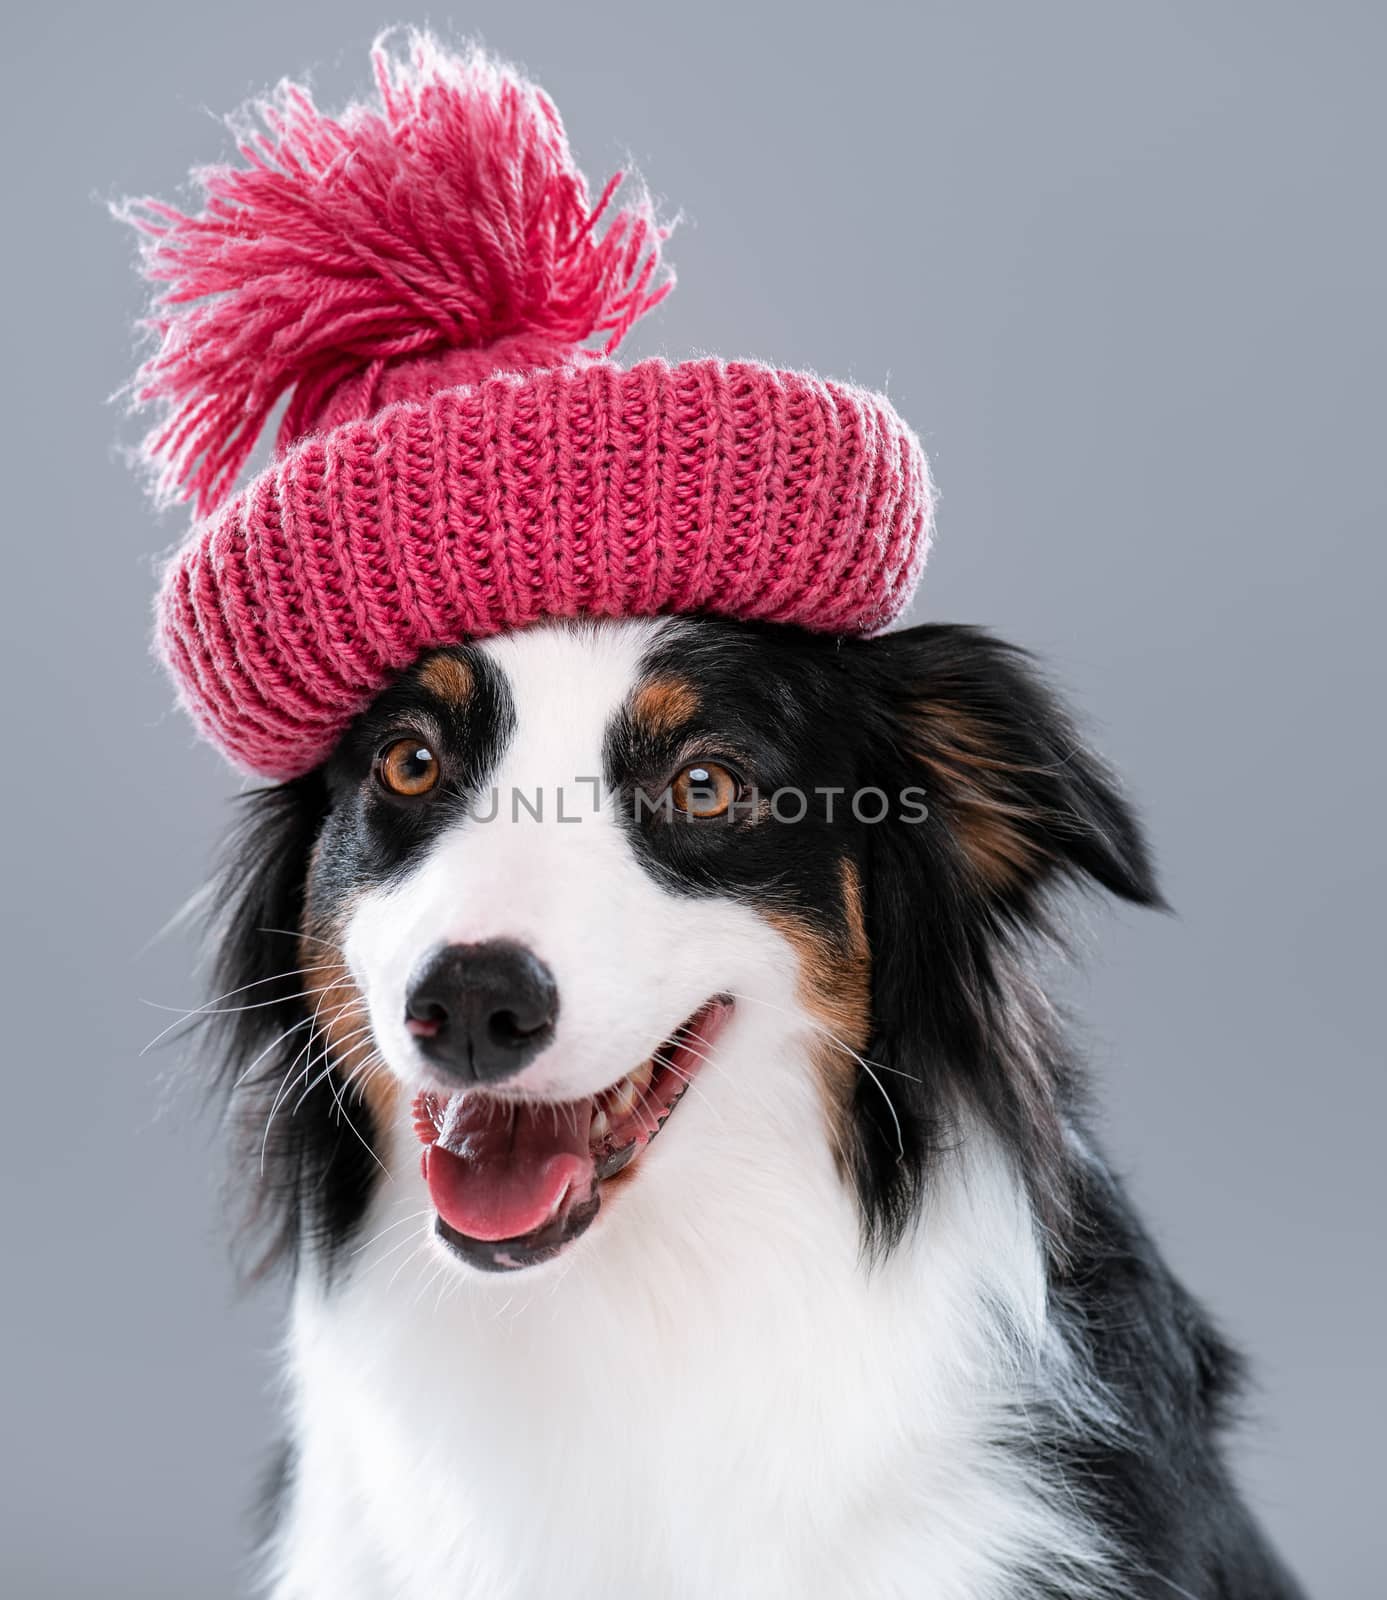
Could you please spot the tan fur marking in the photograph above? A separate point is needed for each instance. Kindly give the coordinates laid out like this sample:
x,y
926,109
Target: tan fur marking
x,y
976,785
450,679
664,705
340,1012
835,986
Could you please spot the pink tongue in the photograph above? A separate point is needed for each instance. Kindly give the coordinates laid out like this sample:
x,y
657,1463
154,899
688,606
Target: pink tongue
x,y
501,1171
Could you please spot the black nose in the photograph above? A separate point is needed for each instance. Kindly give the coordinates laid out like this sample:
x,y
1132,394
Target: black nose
x,y
482,1011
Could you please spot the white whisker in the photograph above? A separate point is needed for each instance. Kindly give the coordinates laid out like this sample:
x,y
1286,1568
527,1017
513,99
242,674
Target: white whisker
x,y
298,933
869,1067
390,1227
211,1007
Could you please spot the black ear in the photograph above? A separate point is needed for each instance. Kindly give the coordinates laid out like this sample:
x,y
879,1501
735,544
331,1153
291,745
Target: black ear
x,y
1015,808
968,719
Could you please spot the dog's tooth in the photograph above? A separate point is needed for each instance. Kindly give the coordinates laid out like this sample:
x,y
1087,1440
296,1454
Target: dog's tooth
x,y
623,1097
642,1075
601,1125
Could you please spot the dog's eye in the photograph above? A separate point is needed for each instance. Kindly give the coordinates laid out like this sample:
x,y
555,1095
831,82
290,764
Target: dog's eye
x,y
704,789
407,767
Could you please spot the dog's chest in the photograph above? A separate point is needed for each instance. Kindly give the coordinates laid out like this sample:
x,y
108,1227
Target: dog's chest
x,y
641,1494
481,1461
785,1426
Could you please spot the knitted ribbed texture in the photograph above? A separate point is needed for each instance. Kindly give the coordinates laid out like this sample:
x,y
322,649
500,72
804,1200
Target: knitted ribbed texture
x,y
707,486
459,483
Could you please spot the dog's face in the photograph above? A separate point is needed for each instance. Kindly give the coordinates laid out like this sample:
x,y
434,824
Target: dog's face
x,y
560,889
553,871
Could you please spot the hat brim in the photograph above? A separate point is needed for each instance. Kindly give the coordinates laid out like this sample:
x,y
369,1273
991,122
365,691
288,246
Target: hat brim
x,y
708,486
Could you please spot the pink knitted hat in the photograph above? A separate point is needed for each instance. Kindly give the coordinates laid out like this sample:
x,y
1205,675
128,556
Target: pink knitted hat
x,y
424,280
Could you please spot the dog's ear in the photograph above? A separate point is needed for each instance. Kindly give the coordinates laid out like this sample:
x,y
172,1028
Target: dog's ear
x,y
294,1169
967,719
1014,807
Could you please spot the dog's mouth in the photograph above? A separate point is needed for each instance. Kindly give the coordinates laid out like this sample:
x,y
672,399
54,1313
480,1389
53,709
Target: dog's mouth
x,y
515,1181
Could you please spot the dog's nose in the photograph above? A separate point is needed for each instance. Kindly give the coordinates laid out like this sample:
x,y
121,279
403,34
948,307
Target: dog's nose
x,y
480,1012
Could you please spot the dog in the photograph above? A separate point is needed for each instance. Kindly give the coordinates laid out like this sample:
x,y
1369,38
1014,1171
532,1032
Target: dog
x,y
638,1062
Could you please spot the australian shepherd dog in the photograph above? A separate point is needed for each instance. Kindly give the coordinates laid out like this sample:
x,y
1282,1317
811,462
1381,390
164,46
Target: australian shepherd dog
x,y
637,1057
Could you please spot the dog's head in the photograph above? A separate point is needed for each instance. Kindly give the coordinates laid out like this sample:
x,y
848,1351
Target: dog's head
x,y
561,889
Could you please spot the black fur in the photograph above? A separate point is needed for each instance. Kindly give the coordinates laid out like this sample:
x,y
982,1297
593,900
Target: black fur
x,y
1018,810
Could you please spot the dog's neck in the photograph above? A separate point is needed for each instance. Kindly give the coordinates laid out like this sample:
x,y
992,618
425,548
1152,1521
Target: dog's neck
x,y
683,1405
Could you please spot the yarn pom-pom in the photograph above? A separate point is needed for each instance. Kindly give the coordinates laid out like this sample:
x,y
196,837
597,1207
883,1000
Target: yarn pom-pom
x,y
449,215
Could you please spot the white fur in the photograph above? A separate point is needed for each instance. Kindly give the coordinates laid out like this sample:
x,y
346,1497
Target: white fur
x,y
709,1395
632,960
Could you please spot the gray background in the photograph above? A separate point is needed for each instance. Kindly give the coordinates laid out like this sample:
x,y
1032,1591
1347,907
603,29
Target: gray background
x,y
1123,266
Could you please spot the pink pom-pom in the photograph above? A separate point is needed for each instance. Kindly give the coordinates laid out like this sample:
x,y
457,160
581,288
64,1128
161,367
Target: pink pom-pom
x,y
450,216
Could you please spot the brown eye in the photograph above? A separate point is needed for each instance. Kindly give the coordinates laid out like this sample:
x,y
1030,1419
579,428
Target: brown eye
x,y
407,767
704,789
